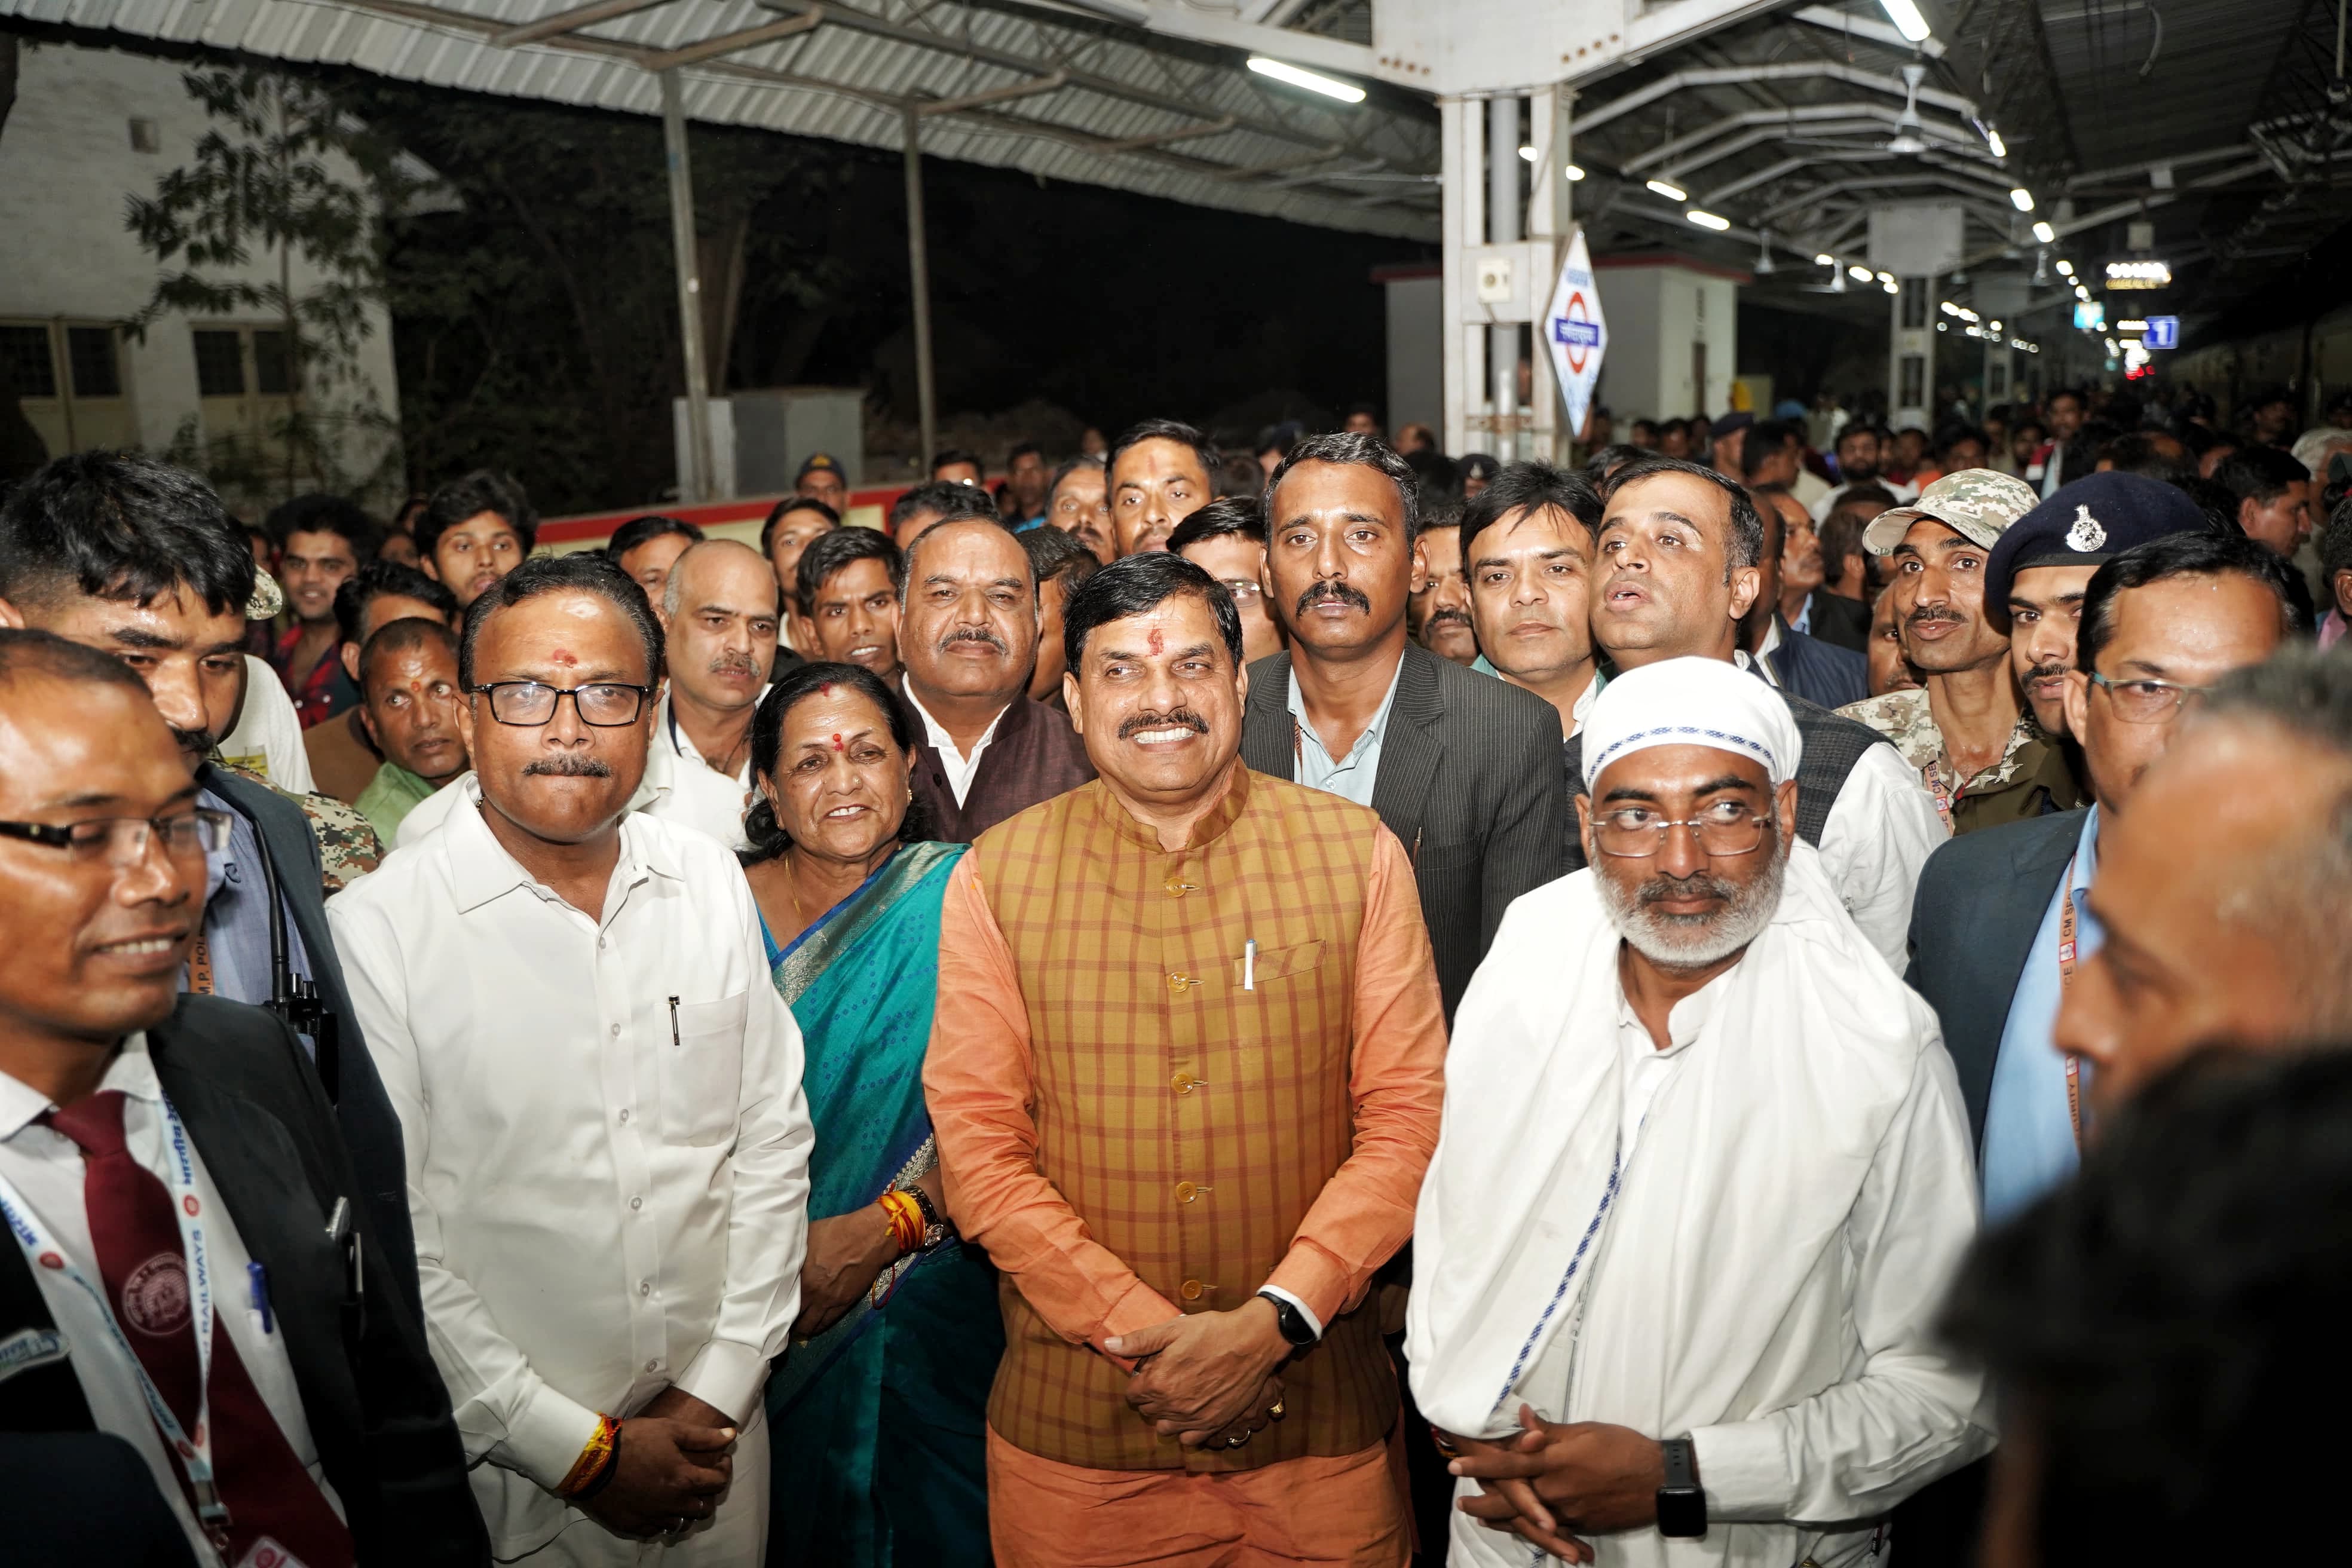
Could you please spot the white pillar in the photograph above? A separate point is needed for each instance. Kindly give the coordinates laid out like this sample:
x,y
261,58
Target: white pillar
x,y
918,273
1503,229
694,483
1548,217
1460,154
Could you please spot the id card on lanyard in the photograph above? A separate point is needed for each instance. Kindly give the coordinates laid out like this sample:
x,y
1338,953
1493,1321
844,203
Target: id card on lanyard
x,y
194,1448
2065,979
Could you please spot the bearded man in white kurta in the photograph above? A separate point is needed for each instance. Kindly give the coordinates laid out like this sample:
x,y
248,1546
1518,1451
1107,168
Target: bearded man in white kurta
x,y
1703,1177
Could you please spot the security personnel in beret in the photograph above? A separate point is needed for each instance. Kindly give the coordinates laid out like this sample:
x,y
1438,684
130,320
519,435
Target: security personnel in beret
x,y
2039,570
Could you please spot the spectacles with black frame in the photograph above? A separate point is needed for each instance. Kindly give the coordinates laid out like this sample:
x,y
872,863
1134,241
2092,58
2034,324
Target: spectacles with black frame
x,y
604,704
124,840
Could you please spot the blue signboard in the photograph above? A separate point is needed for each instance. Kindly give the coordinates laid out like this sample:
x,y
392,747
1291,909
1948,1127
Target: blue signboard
x,y
2163,333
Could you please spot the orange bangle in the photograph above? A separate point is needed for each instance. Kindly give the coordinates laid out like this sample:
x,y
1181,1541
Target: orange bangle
x,y
592,1458
906,1221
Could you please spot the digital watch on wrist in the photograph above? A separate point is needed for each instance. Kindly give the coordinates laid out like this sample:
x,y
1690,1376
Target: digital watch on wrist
x,y
1682,1505
1292,1322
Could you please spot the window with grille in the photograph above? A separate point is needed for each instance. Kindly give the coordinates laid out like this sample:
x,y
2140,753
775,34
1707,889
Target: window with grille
x,y
89,352
25,351
220,364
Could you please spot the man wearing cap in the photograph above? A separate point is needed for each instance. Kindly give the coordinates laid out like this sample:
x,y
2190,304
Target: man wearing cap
x,y
2041,565
822,478
1966,731
1701,1180
1729,457
1676,569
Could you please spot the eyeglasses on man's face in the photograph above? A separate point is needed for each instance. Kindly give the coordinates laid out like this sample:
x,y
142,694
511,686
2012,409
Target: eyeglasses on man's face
x,y
1245,590
121,841
606,704
2147,701
1638,832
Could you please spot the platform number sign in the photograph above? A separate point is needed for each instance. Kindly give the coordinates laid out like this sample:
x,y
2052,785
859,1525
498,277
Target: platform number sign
x,y
1575,331
2163,333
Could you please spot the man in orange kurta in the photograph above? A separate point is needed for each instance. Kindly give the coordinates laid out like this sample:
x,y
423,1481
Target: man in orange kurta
x,y
1185,1073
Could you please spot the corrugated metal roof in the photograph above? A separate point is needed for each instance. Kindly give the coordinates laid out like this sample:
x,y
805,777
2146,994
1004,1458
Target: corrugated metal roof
x,y
1182,122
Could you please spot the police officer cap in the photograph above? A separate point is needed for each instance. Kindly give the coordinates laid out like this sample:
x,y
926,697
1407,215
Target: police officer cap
x,y
2088,523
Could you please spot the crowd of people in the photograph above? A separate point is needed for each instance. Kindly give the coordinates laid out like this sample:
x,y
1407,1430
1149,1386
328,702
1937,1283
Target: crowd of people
x,y
1764,999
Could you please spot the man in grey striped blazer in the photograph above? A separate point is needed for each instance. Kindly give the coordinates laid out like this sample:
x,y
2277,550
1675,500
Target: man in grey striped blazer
x,y
1465,770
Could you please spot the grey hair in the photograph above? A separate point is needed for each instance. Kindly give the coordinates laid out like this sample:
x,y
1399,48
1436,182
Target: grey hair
x,y
2308,694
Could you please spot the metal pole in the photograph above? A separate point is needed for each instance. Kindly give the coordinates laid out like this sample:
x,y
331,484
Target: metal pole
x,y
1457,130
694,482
918,272
1503,229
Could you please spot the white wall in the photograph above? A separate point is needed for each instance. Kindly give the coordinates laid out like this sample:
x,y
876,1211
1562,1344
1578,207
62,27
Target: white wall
x,y
67,170
1655,312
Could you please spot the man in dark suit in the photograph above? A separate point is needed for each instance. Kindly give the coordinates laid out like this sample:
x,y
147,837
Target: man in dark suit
x,y
968,633
1822,673
191,1269
1465,770
2002,918
136,559
1988,925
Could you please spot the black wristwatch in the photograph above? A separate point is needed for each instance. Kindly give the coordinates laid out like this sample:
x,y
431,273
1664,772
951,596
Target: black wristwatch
x,y
1682,1505
935,1228
1290,1321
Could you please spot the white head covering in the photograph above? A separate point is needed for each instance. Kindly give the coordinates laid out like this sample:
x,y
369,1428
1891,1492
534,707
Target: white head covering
x,y
1692,702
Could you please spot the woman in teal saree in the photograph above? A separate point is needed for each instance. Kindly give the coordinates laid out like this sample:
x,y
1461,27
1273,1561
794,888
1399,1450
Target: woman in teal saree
x,y
877,1409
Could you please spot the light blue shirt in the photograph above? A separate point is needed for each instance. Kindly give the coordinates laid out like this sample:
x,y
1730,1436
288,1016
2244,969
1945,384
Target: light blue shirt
x,y
2029,1137
1354,775
236,914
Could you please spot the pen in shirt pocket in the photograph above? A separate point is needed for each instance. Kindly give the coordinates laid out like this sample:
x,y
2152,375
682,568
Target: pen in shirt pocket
x,y
256,1279
673,1021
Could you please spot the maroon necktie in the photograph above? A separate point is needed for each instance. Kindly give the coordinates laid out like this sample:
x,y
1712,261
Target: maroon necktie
x,y
136,1234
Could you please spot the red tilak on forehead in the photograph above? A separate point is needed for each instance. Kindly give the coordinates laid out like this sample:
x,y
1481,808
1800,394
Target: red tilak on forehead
x,y
564,656
836,739
1156,639
825,686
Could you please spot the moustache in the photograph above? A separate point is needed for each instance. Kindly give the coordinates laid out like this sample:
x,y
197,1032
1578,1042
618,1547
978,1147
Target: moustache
x,y
1698,885
734,664
196,742
2045,672
1181,718
977,635
1443,618
567,767
1333,593
1923,617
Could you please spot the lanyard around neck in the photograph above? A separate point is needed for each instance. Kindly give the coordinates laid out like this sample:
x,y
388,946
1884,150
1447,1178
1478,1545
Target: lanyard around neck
x,y
193,1449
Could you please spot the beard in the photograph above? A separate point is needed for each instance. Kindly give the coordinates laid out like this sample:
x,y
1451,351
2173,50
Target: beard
x,y
1695,941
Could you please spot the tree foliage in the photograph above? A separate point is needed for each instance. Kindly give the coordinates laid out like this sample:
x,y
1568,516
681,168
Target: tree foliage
x,y
268,183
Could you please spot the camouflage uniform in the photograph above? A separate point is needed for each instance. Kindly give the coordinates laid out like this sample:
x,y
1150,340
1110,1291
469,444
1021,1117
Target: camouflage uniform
x,y
348,847
2032,779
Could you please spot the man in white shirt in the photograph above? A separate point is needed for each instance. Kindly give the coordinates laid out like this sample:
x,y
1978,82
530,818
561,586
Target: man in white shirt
x,y
600,1092
719,614
1676,567
172,1179
967,641
1737,1172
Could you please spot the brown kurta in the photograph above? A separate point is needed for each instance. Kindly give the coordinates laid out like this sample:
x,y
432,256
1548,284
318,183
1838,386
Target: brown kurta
x,y
1130,1133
